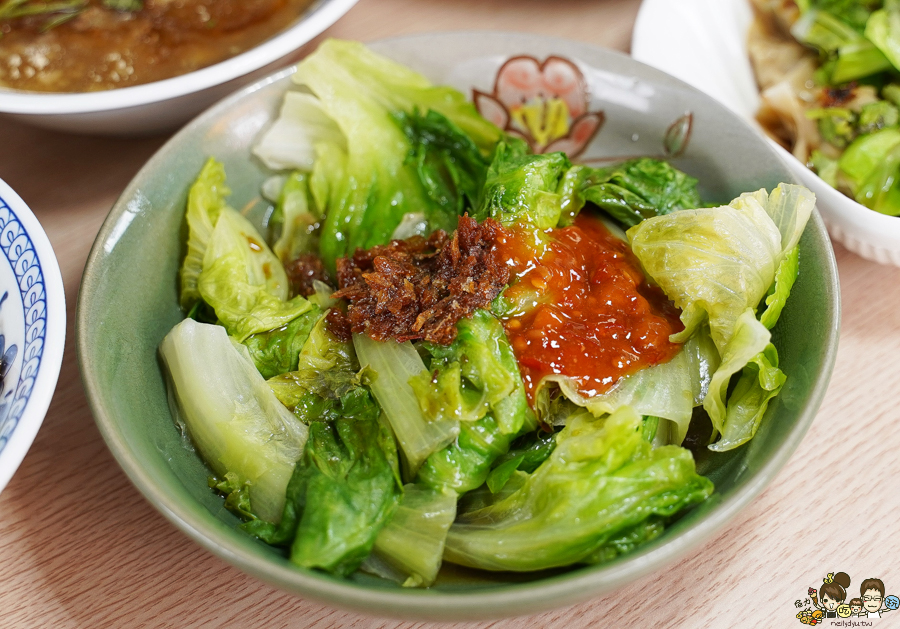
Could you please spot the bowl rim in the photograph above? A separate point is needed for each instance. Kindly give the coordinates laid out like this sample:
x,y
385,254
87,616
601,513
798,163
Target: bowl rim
x,y
54,338
495,601
315,19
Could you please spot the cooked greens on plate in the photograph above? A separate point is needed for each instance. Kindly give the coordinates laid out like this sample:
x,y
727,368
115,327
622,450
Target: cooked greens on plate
x,y
443,347
829,75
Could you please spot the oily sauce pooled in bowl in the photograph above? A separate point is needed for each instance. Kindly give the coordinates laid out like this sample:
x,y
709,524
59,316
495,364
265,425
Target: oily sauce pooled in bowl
x,y
580,306
92,45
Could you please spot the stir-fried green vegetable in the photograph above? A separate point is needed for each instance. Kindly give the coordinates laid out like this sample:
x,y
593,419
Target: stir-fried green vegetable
x,y
548,191
385,161
393,365
392,457
232,416
410,548
450,166
853,96
669,390
342,491
717,264
474,375
325,370
603,491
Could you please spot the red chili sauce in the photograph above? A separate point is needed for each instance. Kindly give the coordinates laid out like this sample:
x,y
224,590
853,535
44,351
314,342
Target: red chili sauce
x,y
582,307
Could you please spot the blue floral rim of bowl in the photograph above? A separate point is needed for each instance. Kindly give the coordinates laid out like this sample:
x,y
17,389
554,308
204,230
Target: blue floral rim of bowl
x,y
19,250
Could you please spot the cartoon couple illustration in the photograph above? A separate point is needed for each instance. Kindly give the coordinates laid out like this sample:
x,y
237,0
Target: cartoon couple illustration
x,y
871,603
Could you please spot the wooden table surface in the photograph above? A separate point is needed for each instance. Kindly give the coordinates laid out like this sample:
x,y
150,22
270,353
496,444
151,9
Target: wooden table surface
x,y
79,546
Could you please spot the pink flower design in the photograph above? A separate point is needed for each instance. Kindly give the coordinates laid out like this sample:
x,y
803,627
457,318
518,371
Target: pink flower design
x,y
545,104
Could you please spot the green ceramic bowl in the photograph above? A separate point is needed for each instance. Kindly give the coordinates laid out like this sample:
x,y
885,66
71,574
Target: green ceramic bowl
x,y
128,302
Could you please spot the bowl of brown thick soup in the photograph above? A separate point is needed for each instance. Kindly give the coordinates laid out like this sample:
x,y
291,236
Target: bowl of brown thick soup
x,y
132,67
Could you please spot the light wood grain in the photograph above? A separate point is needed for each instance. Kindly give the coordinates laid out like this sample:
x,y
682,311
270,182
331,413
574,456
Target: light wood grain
x,y
79,547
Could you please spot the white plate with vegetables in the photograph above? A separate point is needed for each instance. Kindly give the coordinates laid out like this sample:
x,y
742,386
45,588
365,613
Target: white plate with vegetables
x,y
819,76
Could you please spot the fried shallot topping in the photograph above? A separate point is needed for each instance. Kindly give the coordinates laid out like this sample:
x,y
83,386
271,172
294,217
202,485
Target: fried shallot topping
x,y
302,271
419,288
337,323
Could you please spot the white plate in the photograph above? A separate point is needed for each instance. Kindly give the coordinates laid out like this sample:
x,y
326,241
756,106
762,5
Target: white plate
x,y
704,43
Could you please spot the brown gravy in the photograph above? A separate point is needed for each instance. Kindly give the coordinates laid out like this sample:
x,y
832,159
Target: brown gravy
x,y
101,48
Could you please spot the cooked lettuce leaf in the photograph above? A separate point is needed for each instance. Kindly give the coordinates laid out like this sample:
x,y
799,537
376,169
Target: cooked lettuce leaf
x,y
601,485
366,189
206,200
355,403
236,492
669,390
229,267
531,449
501,474
475,374
326,369
716,264
713,263
465,463
328,181
476,379
780,290
351,494
277,351
391,366
650,428
749,338
788,206
526,454
409,550
444,395
342,492
760,381
237,424
296,218
237,249
244,282
283,531
524,188
548,191
450,166
640,188
293,139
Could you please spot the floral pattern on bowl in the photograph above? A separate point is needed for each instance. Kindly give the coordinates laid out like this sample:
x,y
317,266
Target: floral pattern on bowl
x,y
544,103
547,104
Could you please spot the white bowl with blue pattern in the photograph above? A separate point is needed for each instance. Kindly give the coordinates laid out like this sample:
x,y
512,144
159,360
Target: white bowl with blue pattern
x,y
32,328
